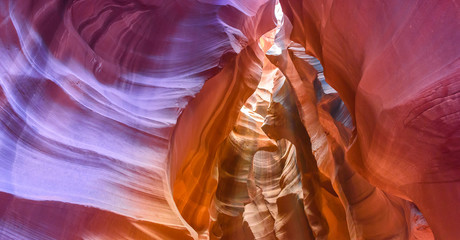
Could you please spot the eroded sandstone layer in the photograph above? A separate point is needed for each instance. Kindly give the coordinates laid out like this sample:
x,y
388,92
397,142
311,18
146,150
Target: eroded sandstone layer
x,y
229,119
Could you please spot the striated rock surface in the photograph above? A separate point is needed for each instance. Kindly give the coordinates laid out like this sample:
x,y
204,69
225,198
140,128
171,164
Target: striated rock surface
x,y
229,119
91,94
395,65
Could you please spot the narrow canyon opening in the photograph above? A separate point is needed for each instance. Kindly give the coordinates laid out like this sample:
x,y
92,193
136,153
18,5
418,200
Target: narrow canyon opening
x,y
281,171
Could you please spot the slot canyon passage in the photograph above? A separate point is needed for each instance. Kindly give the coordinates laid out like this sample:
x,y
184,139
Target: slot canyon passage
x,y
230,119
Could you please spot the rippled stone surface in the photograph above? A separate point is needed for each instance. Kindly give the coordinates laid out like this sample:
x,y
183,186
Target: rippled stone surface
x,y
401,88
91,94
199,119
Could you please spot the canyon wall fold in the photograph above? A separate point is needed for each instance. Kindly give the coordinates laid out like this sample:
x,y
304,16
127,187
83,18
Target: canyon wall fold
x,y
229,119
395,65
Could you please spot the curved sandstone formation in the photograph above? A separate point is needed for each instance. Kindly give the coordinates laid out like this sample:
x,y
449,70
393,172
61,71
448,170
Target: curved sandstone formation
x,y
229,119
400,86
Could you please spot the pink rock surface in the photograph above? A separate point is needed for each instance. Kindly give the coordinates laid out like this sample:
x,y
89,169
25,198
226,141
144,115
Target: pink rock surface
x,y
91,94
200,119
395,65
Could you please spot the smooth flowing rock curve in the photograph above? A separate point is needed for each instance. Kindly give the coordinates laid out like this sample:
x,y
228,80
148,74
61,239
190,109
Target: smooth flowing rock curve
x,y
230,119
396,67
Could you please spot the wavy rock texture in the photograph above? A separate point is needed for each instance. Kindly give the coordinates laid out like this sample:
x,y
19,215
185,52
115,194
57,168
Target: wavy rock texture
x,y
199,119
91,94
400,87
